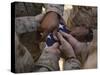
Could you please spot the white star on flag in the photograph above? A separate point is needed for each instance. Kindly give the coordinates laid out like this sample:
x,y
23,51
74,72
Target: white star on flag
x,y
49,37
60,26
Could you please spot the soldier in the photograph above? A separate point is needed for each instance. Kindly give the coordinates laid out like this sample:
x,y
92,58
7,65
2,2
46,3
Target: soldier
x,y
86,16
46,59
26,24
24,29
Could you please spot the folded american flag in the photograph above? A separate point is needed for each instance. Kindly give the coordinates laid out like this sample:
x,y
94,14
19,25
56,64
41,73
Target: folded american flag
x,y
50,39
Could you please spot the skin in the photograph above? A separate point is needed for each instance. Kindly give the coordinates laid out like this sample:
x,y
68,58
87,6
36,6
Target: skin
x,y
70,44
48,24
70,47
65,46
80,50
75,44
82,33
54,49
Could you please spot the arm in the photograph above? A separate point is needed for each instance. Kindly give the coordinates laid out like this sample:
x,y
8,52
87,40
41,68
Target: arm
x,y
71,61
48,60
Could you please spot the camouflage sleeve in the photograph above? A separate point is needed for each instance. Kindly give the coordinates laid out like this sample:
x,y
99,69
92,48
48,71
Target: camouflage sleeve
x,y
23,59
72,64
47,62
55,7
25,24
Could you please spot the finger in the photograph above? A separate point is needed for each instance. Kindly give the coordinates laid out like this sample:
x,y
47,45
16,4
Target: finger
x,y
67,49
58,51
61,48
60,37
70,38
66,45
55,37
55,45
54,34
66,35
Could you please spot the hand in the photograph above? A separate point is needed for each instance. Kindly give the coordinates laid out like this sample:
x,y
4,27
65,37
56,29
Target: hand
x,y
80,49
49,23
54,49
65,47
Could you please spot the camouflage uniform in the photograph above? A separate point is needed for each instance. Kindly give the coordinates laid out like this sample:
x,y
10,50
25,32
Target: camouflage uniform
x,y
27,51
83,15
26,26
87,16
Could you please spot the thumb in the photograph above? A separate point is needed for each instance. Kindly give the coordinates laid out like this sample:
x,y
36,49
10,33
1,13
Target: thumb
x,y
60,37
55,45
